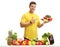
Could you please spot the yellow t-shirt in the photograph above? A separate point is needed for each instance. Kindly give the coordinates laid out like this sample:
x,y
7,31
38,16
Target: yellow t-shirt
x,y
31,30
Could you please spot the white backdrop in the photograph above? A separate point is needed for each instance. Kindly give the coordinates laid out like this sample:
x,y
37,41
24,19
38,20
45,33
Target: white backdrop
x,y
12,10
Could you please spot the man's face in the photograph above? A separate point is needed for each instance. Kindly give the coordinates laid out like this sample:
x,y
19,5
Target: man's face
x,y
32,7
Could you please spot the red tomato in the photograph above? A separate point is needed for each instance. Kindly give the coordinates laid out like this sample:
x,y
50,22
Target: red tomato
x,y
49,19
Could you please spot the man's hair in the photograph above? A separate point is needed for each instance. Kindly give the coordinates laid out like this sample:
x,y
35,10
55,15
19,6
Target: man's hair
x,y
32,2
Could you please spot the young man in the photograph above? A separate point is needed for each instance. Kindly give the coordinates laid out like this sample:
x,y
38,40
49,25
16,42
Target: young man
x,y
31,21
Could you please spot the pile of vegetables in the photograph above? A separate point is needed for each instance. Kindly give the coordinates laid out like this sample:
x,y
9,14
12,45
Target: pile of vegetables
x,y
47,39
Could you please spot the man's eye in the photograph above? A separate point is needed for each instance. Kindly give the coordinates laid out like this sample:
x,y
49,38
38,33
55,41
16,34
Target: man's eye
x,y
32,6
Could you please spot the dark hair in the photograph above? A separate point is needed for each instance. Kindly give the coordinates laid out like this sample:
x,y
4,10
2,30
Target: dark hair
x,y
32,2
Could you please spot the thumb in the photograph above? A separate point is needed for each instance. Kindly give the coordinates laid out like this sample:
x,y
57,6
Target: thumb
x,y
32,17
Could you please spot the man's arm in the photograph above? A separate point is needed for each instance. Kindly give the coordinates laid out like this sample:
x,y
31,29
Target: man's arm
x,y
24,24
27,23
40,25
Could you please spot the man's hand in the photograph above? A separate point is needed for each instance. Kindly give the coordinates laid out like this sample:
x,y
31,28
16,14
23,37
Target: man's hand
x,y
27,23
32,21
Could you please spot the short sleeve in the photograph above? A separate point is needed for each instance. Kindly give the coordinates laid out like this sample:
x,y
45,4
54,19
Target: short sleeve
x,y
38,22
23,19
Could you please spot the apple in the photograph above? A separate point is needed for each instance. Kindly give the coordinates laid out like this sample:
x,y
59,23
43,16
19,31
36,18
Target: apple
x,y
37,43
20,43
33,42
29,43
41,43
26,42
14,42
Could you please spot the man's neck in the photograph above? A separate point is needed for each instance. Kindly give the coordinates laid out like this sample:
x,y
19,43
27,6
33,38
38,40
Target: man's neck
x,y
31,12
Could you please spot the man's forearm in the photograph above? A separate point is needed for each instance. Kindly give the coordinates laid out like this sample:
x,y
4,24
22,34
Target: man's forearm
x,y
24,24
40,25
